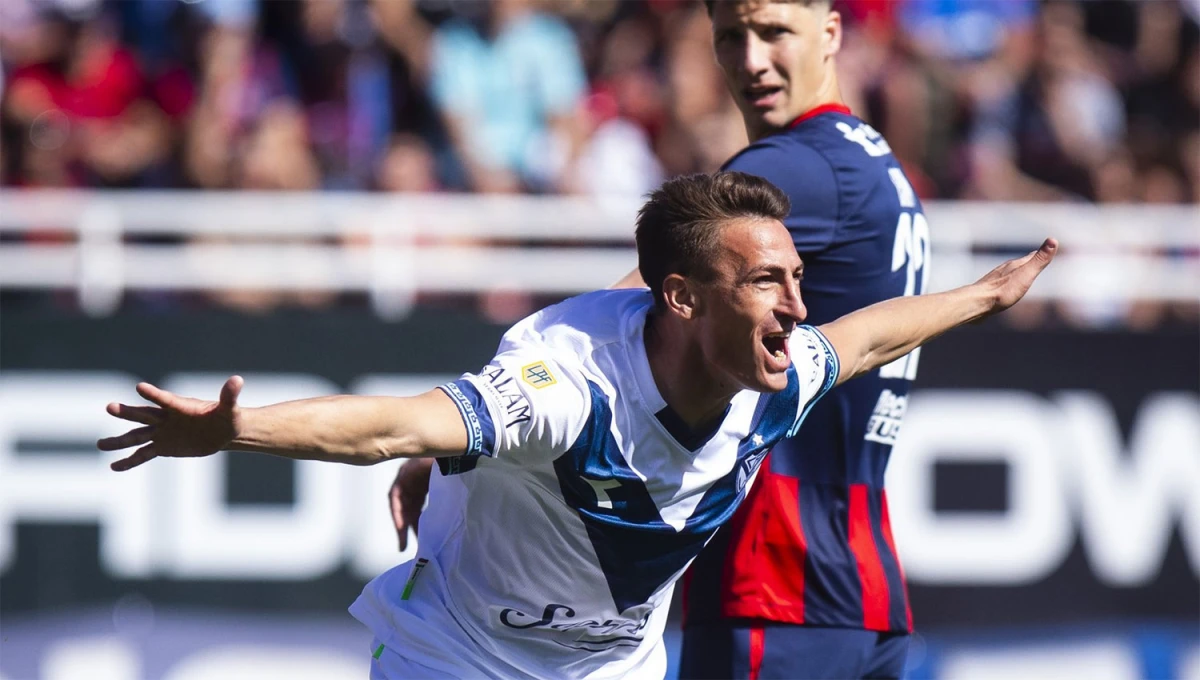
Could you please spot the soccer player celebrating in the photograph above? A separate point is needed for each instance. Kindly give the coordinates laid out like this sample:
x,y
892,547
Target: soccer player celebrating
x,y
587,464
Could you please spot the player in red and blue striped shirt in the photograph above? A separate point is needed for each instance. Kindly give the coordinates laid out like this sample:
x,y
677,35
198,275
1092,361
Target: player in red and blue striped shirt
x,y
805,581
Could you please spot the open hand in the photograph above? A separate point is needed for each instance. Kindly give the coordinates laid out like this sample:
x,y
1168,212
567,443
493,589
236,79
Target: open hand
x,y
1011,280
407,496
177,427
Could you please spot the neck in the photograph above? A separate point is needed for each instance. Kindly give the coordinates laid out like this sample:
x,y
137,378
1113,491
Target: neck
x,y
683,377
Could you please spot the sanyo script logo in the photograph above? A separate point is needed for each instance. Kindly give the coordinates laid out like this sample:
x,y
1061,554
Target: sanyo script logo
x,y
1071,473
590,634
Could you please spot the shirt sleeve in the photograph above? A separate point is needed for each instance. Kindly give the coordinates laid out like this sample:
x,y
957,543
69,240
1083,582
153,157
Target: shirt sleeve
x,y
452,80
809,182
521,407
817,368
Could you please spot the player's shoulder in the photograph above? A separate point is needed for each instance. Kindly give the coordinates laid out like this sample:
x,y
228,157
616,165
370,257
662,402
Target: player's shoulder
x,y
575,328
797,167
848,142
555,357
778,154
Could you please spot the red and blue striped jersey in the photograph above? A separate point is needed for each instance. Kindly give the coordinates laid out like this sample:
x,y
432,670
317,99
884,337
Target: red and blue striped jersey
x,y
812,543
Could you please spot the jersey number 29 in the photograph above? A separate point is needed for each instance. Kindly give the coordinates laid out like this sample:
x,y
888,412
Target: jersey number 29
x,y
910,251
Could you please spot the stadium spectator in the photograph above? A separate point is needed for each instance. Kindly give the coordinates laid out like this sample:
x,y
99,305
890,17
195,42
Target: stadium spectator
x,y
623,112
972,94
1054,100
238,79
510,85
702,127
405,37
1045,138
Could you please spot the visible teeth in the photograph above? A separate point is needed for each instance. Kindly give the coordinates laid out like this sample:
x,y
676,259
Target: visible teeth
x,y
779,354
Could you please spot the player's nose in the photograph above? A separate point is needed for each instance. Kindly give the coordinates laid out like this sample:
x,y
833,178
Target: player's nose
x,y
791,306
755,60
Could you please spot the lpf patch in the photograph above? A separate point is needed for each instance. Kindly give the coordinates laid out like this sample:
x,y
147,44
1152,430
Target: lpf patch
x,y
537,375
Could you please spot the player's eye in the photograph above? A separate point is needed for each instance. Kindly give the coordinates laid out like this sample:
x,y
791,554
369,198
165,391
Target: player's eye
x,y
728,38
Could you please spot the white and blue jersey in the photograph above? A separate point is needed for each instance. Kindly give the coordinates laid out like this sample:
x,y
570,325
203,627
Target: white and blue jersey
x,y
551,547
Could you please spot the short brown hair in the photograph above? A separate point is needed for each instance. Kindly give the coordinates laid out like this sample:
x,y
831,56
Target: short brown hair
x,y
678,227
708,4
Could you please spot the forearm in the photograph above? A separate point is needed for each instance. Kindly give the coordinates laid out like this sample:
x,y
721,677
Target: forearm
x,y
354,430
876,335
884,332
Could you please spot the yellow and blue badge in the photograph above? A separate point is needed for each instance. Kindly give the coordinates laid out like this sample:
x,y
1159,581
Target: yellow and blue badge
x,y
537,375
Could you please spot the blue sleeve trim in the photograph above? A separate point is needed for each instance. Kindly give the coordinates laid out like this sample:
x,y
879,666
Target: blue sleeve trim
x,y
481,433
832,362
833,369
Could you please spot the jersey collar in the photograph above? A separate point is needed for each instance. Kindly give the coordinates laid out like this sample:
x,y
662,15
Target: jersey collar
x,y
823,108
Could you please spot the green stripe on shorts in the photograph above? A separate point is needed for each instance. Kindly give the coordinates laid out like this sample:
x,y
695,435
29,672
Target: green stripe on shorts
x,y
378,652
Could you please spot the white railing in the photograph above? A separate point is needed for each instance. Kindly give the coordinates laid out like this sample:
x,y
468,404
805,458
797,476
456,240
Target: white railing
x,y
393,246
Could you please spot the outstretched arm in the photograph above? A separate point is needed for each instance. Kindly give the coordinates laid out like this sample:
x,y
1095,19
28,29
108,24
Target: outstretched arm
x,y
873,336
344,429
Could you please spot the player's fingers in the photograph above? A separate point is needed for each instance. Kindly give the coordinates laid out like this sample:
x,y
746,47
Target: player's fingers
x,y
158,396
135,437
146,415
397,507
1032,265
412,518
1044,254
1040,257
230,391
1019,262
140,456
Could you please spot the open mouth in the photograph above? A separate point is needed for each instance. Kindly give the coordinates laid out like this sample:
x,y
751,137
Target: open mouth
x,y
777,345
762,95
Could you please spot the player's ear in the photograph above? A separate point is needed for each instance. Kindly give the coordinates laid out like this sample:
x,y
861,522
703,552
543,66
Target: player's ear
x,y
680,296
831,34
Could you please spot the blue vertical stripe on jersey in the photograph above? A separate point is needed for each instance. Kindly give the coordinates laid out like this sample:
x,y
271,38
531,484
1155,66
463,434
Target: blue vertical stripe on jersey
x,y
828,584
481,432
637,551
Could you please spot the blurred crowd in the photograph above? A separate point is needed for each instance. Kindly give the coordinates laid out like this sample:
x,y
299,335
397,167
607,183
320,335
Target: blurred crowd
x,y
1043,100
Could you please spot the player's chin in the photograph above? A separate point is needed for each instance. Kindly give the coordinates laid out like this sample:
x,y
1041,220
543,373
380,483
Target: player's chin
x,y
768,380
775,118
763,117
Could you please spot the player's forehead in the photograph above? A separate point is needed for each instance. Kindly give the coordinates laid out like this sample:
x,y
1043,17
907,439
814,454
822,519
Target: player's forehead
x,y
752,243
731,14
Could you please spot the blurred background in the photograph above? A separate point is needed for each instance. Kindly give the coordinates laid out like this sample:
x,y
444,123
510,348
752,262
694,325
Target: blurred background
x,y
359,196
